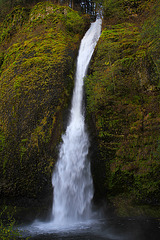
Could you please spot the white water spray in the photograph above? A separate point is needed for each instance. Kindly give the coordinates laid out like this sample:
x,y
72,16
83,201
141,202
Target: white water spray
x,y
72,181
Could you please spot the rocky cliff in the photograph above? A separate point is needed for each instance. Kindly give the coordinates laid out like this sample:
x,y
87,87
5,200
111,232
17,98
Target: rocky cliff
x,y
38,47
123,107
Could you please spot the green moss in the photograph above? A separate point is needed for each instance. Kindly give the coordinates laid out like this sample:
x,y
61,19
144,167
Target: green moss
x,y
124,10
123,102
2,140
36,81
7,225
125,206
13,22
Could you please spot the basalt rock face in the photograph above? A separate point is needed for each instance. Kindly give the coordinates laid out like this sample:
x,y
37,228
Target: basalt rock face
x,y
123,105
37,55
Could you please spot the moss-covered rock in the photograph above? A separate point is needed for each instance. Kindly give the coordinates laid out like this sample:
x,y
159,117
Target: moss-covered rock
x,y
38,49
123,103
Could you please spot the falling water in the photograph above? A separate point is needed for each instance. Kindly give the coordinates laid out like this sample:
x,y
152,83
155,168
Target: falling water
x,y
72,181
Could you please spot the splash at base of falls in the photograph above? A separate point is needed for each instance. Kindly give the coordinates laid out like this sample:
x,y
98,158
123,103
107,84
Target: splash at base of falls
x,y
112,228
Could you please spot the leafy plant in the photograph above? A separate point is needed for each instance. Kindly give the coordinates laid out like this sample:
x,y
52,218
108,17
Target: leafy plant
x,y
7,226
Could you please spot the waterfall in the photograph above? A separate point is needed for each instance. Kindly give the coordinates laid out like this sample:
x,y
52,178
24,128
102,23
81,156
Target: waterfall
x,y
72,180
